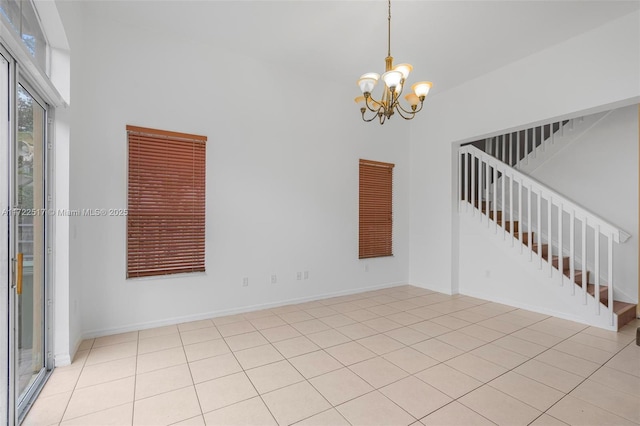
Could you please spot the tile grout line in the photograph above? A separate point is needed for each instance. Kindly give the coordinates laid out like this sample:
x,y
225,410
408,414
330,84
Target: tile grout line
x,y
584,380
193,383
250,381
508,370
379,293
302,375
84,362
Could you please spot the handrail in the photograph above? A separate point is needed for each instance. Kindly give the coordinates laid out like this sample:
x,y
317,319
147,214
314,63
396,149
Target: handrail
x,y
620,236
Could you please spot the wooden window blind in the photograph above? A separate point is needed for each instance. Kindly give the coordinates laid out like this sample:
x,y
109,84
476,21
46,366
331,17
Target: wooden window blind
x,y
376,209
166,202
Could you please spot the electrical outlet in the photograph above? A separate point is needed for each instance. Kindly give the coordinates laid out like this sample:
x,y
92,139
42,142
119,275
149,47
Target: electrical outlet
x,y
274,278
245,281
306,275
299,276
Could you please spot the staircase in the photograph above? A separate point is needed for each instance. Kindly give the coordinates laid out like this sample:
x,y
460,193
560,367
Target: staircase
x,y
570,245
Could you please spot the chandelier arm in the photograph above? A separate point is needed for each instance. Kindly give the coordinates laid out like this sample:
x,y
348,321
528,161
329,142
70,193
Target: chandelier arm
x,y
366,102
410,112
370,119
400,111
395,96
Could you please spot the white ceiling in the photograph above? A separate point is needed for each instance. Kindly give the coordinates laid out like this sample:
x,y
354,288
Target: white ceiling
x,y
447,42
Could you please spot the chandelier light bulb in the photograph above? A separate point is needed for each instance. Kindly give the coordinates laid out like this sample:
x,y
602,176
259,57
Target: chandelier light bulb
x,y
422,88
413,99
392,79
405,69
368,81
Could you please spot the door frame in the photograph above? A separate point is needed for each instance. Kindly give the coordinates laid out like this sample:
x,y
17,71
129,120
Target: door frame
x,y
6,256
22,407
15,412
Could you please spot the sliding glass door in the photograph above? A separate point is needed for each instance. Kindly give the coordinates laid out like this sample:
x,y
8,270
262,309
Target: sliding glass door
x,y
29,214
23,242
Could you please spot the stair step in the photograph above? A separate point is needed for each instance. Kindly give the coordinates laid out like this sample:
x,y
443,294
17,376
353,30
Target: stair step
x,y
604,293
507,226
525,237
545,249
626,312
578,275
484,204
565,263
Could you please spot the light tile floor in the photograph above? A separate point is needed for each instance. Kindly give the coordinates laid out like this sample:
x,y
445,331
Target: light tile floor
x,y
397,356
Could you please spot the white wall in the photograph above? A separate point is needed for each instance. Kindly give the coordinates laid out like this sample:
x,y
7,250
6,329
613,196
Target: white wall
x,y
493,270
67,327
598,69
282,177
599,171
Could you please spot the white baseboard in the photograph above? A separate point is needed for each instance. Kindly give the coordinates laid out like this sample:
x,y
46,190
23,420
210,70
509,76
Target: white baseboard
x,y
90,334
582,320
439,289
66,358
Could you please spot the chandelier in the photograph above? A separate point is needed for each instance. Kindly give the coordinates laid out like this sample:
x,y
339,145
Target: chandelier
x,y
394,81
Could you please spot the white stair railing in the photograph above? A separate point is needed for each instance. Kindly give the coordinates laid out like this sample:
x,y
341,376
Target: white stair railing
x,y
516,147
566,227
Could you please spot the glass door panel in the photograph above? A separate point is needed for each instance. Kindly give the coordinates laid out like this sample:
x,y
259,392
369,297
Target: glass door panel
x,y
6,359
29,215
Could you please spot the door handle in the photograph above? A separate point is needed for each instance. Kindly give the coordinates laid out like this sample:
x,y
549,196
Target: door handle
x,y
19,274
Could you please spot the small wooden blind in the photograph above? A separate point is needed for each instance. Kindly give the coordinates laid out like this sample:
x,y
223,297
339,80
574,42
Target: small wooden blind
x,y
376,209
166,202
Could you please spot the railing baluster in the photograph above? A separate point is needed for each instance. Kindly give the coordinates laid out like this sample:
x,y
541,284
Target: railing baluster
x,y
495,199
511,228
520,213
572,251
502,219
610,276
463,186
488,195
530,227
526,145
481,175
539,205
542,139
596,268
584,280
549,239
473,186
504,148
517,148
560,251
